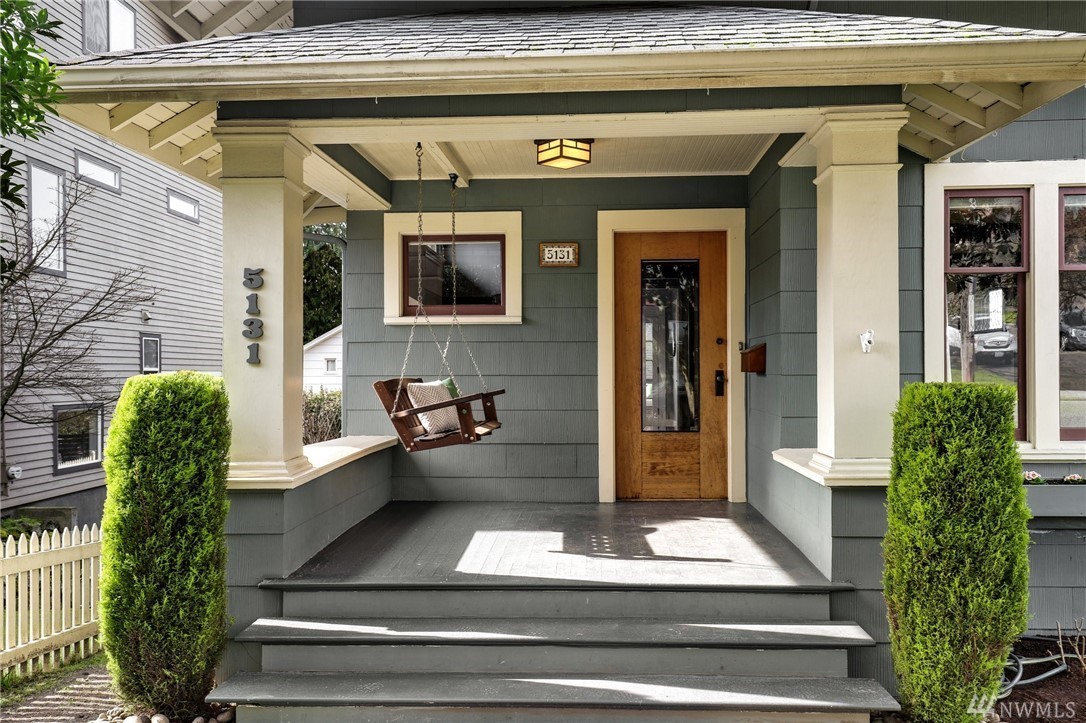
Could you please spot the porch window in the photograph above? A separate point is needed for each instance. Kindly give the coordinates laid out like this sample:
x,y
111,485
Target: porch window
x,y
489,261
475,274
46,208
1072,313
986,264
77,432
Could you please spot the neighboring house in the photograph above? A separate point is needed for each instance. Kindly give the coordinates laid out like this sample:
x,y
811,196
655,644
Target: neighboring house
x,y
795,169
322,362
144,212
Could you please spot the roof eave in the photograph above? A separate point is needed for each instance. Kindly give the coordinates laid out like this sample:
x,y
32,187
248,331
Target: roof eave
x,y
1021,61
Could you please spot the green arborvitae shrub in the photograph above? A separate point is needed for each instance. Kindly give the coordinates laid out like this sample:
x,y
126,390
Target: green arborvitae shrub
x,y
163,612
957,572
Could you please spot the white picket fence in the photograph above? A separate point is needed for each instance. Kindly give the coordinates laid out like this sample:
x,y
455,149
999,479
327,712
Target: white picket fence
x,y
50,593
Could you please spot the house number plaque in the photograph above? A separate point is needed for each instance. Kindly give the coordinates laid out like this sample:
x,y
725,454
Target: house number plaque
x,y
559,254
254,328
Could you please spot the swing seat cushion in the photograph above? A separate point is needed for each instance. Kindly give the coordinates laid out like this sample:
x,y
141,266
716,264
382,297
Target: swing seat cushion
x,y
438,421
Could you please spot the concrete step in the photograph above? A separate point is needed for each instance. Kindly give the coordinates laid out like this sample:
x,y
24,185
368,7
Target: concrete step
x,y
554,645
326,697
745,604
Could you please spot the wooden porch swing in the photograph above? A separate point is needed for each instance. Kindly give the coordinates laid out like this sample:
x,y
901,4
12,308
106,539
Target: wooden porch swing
x,y
417,426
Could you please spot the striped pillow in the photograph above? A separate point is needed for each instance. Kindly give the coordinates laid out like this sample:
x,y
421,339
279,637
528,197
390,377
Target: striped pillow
x,y
438,421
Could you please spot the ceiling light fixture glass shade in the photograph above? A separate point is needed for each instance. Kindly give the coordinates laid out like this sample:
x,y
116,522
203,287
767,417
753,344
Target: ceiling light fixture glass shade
x,y
564,152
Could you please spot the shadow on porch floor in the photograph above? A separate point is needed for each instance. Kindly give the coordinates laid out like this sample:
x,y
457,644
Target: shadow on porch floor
x,y
682,544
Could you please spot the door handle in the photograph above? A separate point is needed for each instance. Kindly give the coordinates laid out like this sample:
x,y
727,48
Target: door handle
x,y
720,382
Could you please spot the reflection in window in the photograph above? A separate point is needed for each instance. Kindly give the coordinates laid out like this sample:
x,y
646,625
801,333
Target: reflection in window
x,y
479,274
669,319
78,437
985,231
1072,315
985,278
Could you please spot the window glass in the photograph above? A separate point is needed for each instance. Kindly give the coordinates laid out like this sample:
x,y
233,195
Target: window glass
x,y
79,438
122,26
983,329
150,361
46,203
96,26
985,231
98,172
1072,317
330,366
669,323
182,205
479,274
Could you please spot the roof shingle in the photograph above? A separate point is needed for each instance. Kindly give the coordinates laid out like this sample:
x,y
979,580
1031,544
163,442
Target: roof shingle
x,y
586,31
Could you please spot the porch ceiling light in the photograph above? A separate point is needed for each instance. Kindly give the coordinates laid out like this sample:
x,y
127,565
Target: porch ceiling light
x,y
564,152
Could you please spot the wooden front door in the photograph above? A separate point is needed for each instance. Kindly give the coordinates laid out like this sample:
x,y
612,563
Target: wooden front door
x,y
671,342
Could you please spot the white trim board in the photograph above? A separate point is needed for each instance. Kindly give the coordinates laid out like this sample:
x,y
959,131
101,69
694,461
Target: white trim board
x,y
733,222
1043,179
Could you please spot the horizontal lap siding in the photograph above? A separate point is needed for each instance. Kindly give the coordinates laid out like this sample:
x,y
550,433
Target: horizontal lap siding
x,y
547,449
182,261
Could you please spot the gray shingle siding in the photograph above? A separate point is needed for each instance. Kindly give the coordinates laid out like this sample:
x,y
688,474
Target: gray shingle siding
x,y
547,449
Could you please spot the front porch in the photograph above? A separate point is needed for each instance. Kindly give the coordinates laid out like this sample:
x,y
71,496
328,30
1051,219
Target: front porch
x,y
457,611
487,544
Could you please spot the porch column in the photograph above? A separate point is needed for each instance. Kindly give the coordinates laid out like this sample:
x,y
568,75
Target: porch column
x,y
262,303
857,283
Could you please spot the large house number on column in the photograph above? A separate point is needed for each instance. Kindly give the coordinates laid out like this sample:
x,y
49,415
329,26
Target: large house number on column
x,y
254,328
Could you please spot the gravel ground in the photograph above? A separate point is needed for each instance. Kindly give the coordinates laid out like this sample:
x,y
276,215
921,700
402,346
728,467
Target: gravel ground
x,y
78,697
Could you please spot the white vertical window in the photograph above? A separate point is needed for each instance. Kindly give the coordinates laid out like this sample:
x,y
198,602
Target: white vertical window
x,y
122,26
150,353
329,366
46,189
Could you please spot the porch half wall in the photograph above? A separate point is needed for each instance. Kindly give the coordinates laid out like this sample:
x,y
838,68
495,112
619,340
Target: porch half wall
x,y
547,450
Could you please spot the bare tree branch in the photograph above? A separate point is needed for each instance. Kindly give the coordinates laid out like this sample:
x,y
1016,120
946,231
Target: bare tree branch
x,y
48,331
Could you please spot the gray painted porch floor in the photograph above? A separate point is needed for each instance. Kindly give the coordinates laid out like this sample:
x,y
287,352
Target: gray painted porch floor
x,y
644,544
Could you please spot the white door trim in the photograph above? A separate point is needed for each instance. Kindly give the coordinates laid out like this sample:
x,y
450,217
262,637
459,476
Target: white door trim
x,y
730,220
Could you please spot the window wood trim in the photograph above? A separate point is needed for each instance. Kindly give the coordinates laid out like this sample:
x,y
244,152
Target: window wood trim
x,y
1064,193
410,280
1024,194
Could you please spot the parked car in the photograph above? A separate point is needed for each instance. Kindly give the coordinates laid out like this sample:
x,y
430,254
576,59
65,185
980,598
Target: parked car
x,y
1000,344
1072,331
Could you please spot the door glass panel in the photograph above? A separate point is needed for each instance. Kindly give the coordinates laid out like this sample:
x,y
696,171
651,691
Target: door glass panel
x,y
669,366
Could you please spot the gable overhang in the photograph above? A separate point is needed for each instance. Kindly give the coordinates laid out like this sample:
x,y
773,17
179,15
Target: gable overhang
x,y
1020,61
956,94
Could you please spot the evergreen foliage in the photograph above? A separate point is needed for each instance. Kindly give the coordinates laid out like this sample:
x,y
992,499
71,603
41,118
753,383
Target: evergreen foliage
x,y
322,285
163,610
957,571
29,91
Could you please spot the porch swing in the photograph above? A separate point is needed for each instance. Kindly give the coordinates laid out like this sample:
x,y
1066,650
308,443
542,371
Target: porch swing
x,y
436,414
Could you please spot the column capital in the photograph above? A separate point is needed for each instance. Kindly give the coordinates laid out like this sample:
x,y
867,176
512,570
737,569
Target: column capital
x,y
260,152
867,137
